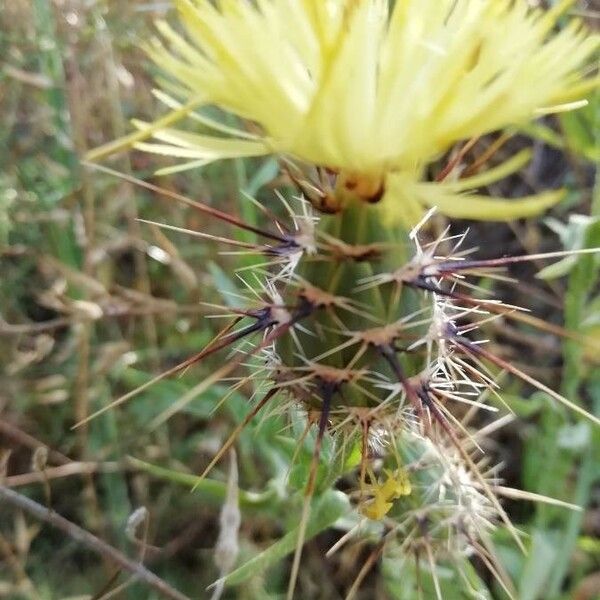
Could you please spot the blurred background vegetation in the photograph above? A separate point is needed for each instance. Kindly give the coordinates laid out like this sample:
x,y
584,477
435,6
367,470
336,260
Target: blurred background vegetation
x,y
94,303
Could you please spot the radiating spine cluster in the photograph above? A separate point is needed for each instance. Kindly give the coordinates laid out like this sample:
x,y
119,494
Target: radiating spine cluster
x,y
372,336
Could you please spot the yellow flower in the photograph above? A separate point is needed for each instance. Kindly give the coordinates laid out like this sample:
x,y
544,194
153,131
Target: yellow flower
x,y
396,485
372,92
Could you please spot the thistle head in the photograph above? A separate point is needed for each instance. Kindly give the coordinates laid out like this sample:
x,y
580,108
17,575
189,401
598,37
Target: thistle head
x,y
368,92
363,324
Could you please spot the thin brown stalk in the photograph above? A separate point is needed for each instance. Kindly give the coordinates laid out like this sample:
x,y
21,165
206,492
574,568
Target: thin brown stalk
x,y
75,86
236,432
364,571
16,566
32,328
455,161
89,540
142,279
19,436
203,208
68,470
328,391
487,154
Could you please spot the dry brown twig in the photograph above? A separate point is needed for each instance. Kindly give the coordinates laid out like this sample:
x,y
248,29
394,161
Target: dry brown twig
x,y
94,543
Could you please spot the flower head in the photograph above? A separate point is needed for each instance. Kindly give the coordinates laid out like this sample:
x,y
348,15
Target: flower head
x,y
370,92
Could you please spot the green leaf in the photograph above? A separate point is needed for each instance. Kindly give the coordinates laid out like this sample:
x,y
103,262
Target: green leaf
x,y
404,581
162,394
578,233
267,172
523,407
581,129
325,512
226,286
538,566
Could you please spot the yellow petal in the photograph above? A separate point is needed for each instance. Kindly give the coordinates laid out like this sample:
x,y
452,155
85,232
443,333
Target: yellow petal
x,y
193,140
486,208
406,200
510,166
130,140
186,166
399,202
173,104
560,108
209,151
375,509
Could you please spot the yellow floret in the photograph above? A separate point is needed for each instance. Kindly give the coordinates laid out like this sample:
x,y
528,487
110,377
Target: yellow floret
x,y
366,90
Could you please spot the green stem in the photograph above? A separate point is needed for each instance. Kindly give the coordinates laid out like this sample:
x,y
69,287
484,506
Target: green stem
x,y
570,532
215,490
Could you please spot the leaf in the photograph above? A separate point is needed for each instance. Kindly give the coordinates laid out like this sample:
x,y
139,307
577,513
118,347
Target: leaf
x,y
575,438
538,566
161,395
558,269
581,130
325,512
404,581
226,286
580,231
267,172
